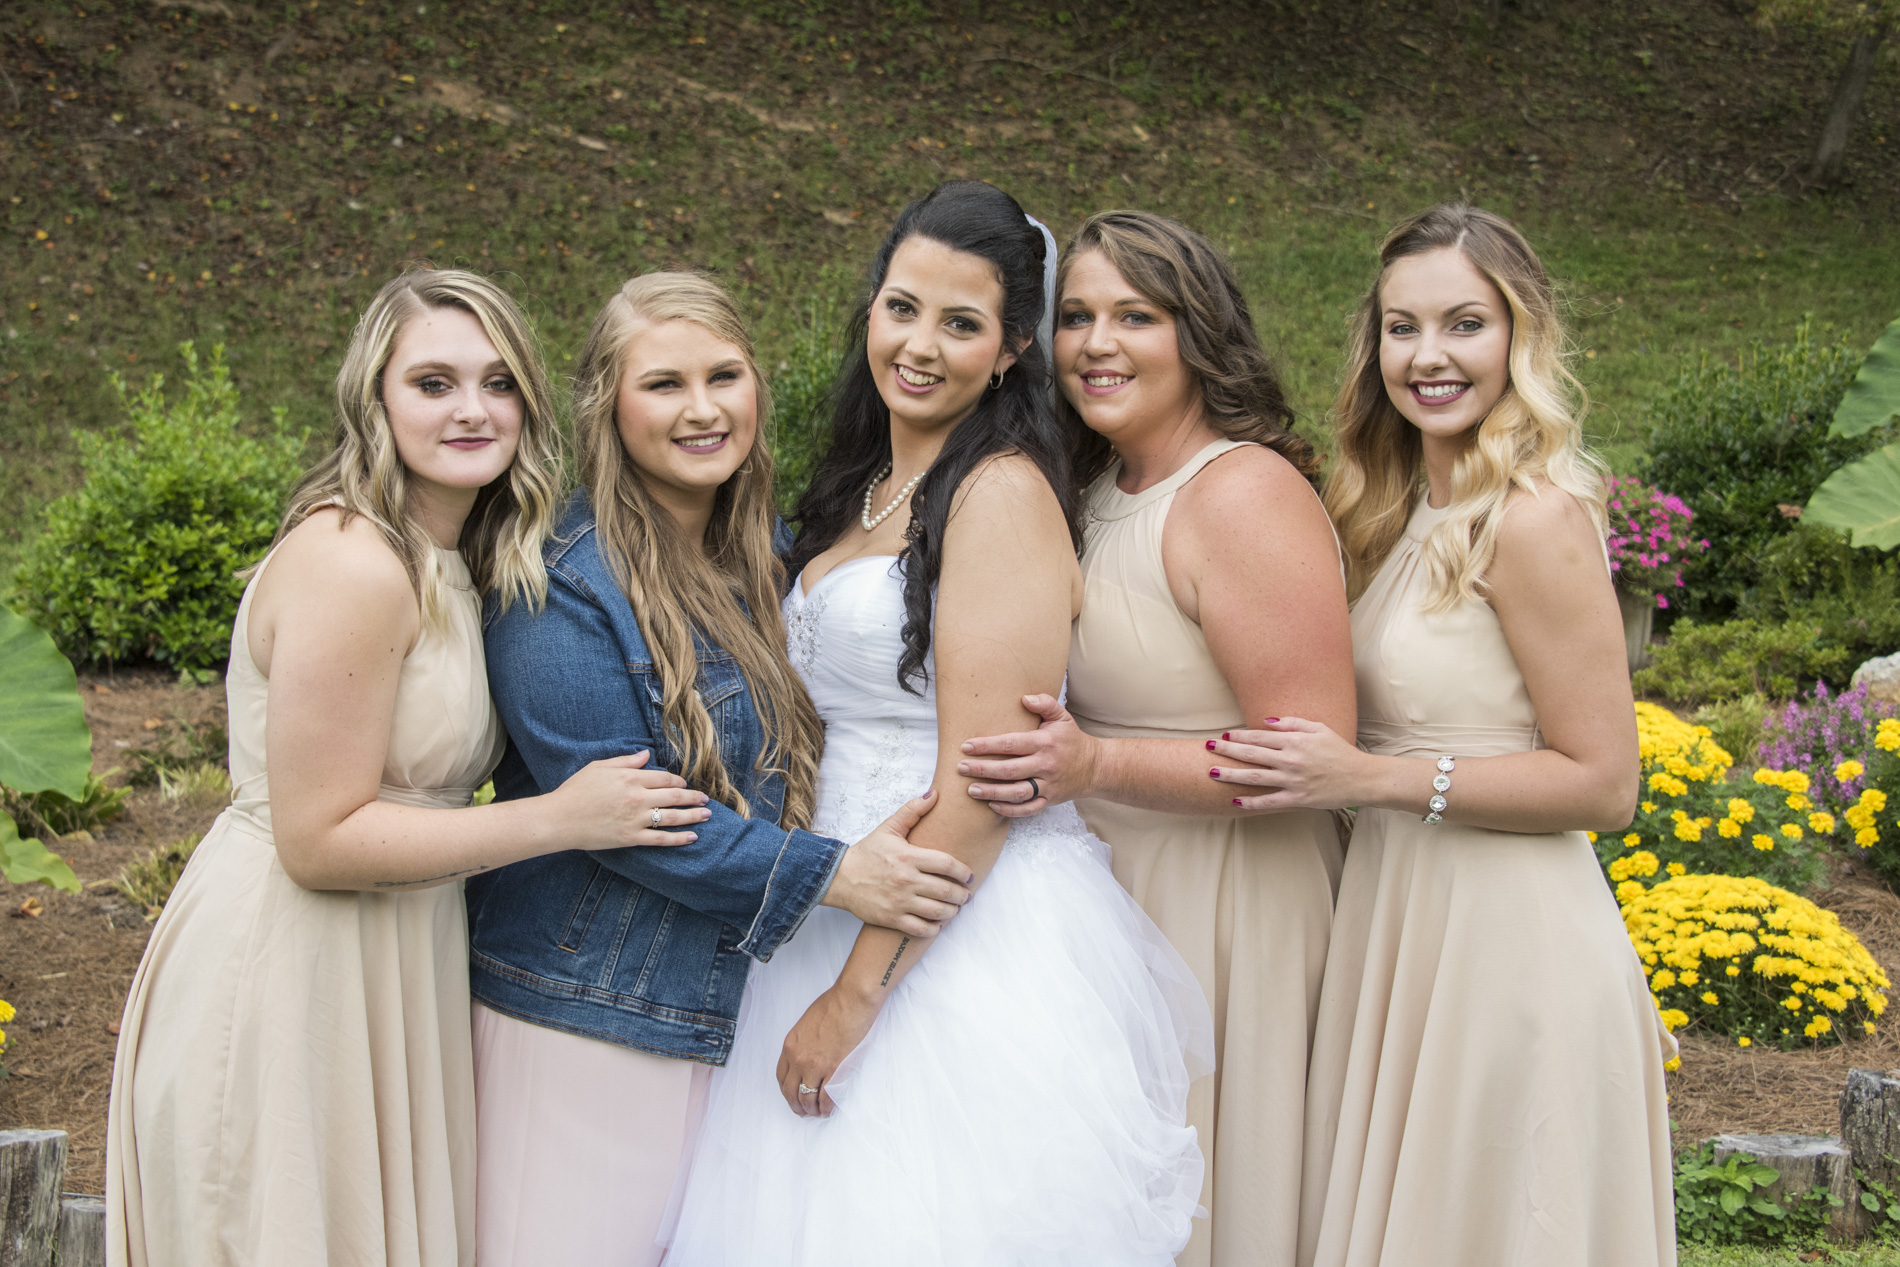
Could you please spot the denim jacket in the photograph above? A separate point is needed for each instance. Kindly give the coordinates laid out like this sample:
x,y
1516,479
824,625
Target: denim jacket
x,y
646,947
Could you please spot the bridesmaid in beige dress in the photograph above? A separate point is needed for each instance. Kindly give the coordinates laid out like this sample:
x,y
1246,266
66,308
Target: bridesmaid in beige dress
x,y
1202,532
294,1085
1487,1081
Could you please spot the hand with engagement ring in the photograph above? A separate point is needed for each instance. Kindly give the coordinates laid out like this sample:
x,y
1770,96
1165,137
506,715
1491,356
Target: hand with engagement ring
x,y
1029,771
621,802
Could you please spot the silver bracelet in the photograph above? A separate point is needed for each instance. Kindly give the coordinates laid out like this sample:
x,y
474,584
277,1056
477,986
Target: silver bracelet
x,y
1441,784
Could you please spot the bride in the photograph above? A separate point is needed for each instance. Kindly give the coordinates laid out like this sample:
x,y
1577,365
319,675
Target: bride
x,y
1013,1091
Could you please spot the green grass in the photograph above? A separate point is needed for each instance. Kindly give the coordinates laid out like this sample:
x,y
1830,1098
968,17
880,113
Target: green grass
x,y
1759,1256
176,173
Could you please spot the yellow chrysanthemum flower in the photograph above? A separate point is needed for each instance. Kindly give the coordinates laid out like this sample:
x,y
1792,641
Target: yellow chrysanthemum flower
x,y
1887,735
1642,862
1688,976
1676,868
1874,799
1733,970
1763,843
1710,998
1674,1018
1791,830
1632,840
1629,891
1739,810
1648,807
1662,980
1848,770
1728,828
6,1012
1667,783
1821,822
1688,829
1799,803
1672,1064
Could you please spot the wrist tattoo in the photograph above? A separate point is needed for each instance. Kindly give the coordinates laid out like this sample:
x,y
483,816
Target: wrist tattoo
x,y
893,965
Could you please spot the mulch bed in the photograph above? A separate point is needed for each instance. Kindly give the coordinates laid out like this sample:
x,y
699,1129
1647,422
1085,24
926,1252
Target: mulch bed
x,y
67,968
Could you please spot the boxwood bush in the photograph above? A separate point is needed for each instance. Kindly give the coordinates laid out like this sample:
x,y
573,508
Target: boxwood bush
x,y
141,562
1737,442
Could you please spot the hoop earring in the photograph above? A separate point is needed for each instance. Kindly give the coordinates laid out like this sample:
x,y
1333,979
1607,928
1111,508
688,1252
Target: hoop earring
x,y
996,381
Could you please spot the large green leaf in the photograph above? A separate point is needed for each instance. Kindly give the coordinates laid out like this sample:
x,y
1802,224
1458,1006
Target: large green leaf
x,y
1862,498
27,861
1874,395
44,739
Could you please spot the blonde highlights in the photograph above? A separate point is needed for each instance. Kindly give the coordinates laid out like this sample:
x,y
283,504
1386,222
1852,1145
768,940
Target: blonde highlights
x,y
1532,436
727,594
363,472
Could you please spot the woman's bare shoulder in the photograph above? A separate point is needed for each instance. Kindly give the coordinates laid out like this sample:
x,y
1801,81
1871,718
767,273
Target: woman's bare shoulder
x,y
1546,524
331,559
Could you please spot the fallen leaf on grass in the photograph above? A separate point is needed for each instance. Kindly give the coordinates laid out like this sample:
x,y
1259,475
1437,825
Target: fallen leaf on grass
x,y
153,723
100,688
30,907
112,1027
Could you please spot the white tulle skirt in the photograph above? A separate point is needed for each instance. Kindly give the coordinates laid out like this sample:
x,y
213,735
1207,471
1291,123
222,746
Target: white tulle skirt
x,y
1021,1099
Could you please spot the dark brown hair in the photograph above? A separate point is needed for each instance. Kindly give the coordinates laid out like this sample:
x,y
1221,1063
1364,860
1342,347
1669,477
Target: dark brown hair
x,y
1178,270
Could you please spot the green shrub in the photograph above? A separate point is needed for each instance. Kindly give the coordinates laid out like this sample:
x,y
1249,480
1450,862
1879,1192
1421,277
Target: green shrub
x,y
141,562
1738,725
801,400
1812,576
1724,1204
1738,441
1706,664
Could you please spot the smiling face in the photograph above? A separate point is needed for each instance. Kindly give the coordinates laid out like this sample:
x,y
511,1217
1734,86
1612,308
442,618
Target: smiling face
x,y
687,412
453,405
1444,343
1117,355
936,334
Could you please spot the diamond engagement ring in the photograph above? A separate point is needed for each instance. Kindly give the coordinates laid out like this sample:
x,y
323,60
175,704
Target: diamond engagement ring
x,y
805,1090
656,820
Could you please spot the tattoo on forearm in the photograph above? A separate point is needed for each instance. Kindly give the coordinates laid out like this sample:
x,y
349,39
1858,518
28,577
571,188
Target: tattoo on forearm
x,y
894,958
434,879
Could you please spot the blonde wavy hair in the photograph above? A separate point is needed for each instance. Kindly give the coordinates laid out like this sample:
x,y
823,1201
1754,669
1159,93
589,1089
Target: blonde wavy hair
x,y
1532,436
726,594
363,473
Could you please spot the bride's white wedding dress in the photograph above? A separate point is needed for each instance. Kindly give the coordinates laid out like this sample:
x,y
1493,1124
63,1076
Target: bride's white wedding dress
x,y
1022,1097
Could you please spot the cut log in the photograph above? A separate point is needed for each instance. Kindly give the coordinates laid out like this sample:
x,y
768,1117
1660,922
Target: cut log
x,y
1870,1122
1807,1163
32,1164
82,1232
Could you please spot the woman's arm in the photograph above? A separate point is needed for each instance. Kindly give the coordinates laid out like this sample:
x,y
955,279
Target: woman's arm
x,y
1251,557
1008,591
1558,610
330,623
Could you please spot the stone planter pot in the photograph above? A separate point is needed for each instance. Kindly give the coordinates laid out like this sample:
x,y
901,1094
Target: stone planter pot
x,y
1639,619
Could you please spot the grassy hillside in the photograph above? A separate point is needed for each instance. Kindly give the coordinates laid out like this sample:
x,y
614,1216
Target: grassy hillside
x,y
249,174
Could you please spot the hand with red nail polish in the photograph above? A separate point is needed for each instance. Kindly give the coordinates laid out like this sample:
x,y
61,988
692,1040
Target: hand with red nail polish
x,y
1298,764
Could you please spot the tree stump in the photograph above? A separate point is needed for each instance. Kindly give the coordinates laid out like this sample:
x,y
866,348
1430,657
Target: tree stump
x,y
1870,1122
82,1232
32,1164
1807,1163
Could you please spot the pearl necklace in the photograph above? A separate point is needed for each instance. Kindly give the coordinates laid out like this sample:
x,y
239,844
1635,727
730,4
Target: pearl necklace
x,y
871,521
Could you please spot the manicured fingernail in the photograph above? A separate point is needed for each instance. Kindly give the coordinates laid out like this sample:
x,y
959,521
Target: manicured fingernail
x,y
927,795
1210,743
1214,773
1236,800
1271,720
1223,735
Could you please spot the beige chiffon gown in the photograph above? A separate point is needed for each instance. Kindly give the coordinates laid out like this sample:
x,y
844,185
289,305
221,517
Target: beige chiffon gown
x,y
294,1086
1487,1082
1248,902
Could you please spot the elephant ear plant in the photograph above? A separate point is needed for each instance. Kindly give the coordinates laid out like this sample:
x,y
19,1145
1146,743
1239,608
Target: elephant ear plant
x,y
45,743
1864,497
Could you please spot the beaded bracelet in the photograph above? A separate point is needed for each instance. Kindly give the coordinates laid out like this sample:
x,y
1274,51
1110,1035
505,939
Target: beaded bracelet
x,y
1441,784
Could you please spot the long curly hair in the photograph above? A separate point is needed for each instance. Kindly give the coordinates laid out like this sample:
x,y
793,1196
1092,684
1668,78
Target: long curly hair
x,y
1015,417
726,595
1532,436
364,475
1181,272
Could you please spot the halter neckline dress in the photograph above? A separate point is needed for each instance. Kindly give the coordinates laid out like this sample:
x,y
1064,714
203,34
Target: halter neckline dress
x,y
294,1084
1248,902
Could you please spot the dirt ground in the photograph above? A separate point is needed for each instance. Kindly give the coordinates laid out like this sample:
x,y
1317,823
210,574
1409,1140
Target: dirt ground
x,y
67,968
